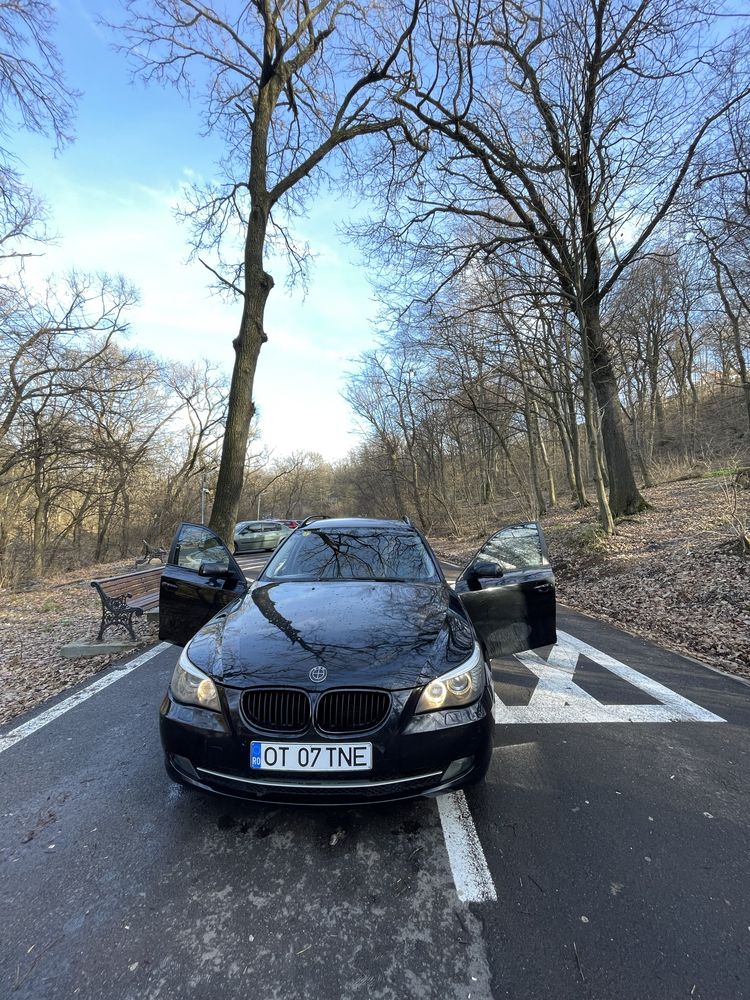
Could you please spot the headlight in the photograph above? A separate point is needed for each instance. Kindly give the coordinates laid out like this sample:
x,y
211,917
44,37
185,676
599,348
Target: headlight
x,y
192,687
459,687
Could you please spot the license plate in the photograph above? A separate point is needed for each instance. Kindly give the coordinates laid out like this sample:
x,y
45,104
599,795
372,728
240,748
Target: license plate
x,y
310,756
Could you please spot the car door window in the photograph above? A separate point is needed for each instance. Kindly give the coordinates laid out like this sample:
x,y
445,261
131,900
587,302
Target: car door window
x,y
195,545
508,590
518,547
188,598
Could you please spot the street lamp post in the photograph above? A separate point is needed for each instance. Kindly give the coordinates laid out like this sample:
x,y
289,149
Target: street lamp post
x,y
257,516
204,493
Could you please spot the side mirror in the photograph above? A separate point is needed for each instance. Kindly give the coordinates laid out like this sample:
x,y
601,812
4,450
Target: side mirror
x,y
214,569
486,569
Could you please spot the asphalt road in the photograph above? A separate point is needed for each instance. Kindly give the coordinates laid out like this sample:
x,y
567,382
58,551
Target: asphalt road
x,y
605,857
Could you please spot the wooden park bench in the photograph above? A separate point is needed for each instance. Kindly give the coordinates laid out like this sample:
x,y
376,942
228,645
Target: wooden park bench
x,y
150,552
126,596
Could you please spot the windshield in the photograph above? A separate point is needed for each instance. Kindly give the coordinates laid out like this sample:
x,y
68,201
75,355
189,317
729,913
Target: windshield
x,y
352,554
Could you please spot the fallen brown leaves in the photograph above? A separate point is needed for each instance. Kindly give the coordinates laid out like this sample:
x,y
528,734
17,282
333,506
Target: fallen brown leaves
x,y
36,623
670,574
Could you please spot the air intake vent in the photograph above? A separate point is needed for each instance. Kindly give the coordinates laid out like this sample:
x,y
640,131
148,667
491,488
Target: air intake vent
x,y
353,711
277,710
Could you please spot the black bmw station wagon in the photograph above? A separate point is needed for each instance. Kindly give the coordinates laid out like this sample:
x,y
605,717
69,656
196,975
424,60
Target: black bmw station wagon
x,y
350,670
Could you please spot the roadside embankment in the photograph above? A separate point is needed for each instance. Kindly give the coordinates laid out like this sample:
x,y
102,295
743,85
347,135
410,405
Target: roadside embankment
x,y
671,574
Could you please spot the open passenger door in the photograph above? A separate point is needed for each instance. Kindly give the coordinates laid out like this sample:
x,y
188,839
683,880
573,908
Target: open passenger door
x,y
508,590
200,578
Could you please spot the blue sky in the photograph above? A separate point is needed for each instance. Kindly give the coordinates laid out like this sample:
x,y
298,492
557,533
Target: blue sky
x,y
111,196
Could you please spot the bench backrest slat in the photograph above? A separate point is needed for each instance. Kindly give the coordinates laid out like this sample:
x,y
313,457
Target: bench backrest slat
x,y
132,583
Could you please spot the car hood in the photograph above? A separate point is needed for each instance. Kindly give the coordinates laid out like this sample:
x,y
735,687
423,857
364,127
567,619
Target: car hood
x,y
362,633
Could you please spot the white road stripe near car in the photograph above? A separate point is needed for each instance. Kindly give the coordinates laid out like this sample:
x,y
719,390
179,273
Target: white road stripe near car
x,y
558,699
39,721
471,873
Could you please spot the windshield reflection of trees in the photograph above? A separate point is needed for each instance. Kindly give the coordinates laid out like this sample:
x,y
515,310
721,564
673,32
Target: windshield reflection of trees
x,y
353,555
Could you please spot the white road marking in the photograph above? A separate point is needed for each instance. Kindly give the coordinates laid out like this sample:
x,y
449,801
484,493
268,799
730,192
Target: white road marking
x,y
471,873
558,699
28,728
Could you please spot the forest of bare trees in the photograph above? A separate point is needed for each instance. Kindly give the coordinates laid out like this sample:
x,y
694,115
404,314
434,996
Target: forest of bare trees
x,y
559,237
482,408
561,247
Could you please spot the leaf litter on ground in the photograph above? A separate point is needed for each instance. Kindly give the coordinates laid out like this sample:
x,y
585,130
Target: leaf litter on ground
x,y
672,574
669,575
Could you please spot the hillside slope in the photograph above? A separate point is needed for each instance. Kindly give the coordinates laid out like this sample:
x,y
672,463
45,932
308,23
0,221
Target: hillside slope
x,y
670,574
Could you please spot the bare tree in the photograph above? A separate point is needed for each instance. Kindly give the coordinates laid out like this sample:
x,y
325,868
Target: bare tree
x,y
41,337
285,85
567,131
33,96
721,212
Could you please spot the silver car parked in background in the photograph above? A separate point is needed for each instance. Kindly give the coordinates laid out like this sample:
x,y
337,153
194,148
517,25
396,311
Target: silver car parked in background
x,y
257,536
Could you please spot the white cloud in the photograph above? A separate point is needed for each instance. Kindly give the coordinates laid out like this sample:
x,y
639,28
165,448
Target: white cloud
x,y
311,339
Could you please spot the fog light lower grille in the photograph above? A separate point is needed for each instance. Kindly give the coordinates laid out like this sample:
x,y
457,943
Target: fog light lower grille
x,y
458,767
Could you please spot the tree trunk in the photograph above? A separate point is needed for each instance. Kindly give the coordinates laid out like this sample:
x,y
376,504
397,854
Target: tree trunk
x,y
539,505
624,497
545,457
568,458
393,468
251,337
574,439
422,517
580,477
125,534
569,419
38,536
105,519
734,314
240,408
741,366
605,514
637,423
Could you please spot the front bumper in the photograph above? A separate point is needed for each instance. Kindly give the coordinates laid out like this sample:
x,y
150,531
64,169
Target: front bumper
x,y
429,754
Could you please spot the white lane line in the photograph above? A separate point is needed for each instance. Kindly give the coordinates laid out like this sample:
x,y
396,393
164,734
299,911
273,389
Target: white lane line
x,y
28,728
471,873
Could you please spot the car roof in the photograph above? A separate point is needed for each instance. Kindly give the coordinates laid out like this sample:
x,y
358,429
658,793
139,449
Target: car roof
x,y
360,522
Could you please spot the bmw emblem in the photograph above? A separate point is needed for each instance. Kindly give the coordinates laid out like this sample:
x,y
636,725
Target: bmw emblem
x,y
318,674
